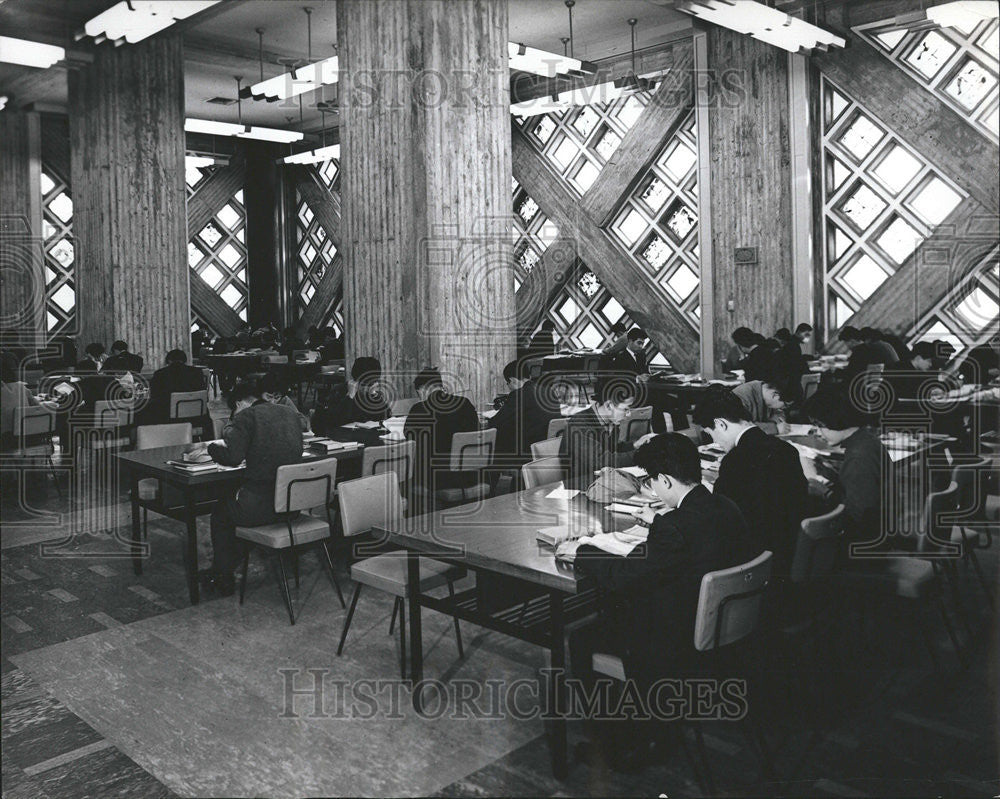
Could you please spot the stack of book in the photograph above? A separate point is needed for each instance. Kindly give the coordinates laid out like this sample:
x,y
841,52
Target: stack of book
x,y
194,468
327,445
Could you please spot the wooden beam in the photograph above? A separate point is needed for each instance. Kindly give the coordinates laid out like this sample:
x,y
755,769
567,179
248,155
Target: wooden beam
x,y
643,142
923,121
539,289
215,192
956,248
212,308
625,279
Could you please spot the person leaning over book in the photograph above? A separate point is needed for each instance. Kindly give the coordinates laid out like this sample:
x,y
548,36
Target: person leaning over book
x,y
266,435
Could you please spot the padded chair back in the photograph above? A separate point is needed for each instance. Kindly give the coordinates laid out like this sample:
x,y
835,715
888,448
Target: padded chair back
x,y
368,502
401,407
939,517
300,486
968,478
546,449
810,385
34,420
150,436
818,547
474,450
557,427
188,404
729,603
112,413
277,359
396,458
636,424
539,472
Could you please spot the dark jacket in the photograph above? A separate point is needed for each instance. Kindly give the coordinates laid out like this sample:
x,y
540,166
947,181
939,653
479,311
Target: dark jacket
x,y
267,436
655,588
340,409
541,344
432,424
85,366
869,354
626,362
588,445
863,477
521,421
763,475
174,378
756,364
123,362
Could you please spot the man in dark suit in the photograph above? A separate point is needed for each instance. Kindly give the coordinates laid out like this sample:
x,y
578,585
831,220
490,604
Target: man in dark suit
x,y
121,360
760,473
757,358
266,435
632,358
654,590
174,378
866,350
524,417
93,355
590,441
543,342
431,423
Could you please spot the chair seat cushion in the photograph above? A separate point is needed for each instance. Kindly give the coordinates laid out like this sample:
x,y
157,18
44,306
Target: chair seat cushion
x,y
307,529
388,573
910,578
149,489
609,665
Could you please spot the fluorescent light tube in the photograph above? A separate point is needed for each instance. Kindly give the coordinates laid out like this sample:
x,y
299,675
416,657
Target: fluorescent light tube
x,y
290,84
763,23
136,20
313,156
546,64
965,14
29,54
214,128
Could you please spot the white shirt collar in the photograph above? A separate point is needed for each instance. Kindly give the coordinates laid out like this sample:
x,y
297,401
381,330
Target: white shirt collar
x,y
692,488
750,427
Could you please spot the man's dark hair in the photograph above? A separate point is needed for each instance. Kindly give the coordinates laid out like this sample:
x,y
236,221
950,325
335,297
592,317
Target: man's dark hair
x,y
177,356
783,334
615,387
271,383
637,334
831,407
924,349
803,328
849,333
870,334
244,389
618,329
427,377
95,349
366,369
719,402
744,337
518,369
672,454
120,346
548,324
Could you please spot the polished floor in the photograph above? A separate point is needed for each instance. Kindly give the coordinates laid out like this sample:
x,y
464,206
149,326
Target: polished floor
x,y
113,685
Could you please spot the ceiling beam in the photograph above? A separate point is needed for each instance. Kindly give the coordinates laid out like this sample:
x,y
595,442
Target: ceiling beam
x,y
212,308
625,279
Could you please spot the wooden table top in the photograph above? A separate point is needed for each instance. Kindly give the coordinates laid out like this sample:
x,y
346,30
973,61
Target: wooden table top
x,y
498,534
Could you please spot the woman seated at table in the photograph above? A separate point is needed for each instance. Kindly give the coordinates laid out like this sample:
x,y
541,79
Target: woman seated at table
x,y
273,389
767,398
14,394
362,400
865,476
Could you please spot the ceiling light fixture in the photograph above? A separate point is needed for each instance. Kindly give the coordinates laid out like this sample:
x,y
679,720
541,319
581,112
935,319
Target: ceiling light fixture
x,y
215,128
132,21
195,160
313,156
29,54
546,64
964,14
763,23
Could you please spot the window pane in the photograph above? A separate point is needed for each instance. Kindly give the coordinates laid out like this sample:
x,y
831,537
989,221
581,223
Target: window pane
x,y
210,235
681,220
931,53
230,256
897,169
862,207
971,84
631,227
680,161
589,284
591,338
565,152
613,311
543,129
586,121
683,282
890,40
231,296
212,275
228,216
608,143
630,111
864,277
569,310
899,240
585,175
935,201
527,209
861,137
62,207
655,194
656,252
65,298
979,309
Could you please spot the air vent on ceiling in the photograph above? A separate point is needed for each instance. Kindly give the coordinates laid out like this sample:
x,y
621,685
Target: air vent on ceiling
x,y
221,101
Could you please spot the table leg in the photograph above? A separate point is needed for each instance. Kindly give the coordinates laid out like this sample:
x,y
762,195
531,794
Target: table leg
x,y
136,527
191,551
557,687
416,641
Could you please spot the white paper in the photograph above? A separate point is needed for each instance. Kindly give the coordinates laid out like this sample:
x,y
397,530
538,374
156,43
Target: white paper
x,y
634,471
362,425
562,493
625,510
608,542
489,414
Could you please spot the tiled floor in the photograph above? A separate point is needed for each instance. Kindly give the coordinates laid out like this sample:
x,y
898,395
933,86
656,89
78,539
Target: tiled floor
x,y
114,685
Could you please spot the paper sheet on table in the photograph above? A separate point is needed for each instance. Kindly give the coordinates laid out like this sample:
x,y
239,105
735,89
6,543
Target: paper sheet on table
x,y
562,493
554,536
898,454
490,414
634,471
610,543
799,429
362,425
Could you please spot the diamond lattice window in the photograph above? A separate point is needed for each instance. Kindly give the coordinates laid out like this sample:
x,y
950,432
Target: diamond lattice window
x,y
533,233
218,254
959,65
579,141
60,252
658,224
969,314
881,201
314,253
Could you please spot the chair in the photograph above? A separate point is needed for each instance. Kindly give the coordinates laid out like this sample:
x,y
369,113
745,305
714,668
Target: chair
x,y
810,385
971,507
117,414
636,424
542,471
817,549
546,449
151,436
371,502
298,487
401,407
189,405
728,613
470,452
398,458
557,427
34,426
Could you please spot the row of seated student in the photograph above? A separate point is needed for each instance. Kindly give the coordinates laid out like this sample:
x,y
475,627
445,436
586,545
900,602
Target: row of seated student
x,y
757,355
